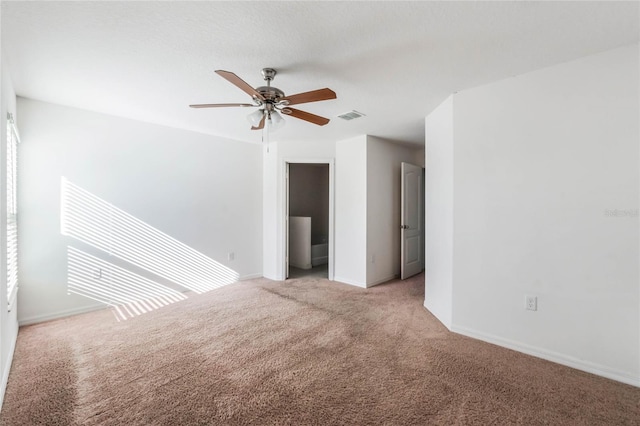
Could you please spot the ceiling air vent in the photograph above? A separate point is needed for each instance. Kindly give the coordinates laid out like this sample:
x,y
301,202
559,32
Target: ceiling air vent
x,y
351,115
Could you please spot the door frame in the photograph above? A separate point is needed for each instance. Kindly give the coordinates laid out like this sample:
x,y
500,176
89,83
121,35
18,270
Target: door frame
x,y
285,209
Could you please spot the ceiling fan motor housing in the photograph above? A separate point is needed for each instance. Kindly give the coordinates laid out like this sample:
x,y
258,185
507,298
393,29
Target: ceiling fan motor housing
x,y
270,93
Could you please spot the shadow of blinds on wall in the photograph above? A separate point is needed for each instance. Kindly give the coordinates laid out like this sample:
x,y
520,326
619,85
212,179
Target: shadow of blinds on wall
x,y
12,211
100,224
127,293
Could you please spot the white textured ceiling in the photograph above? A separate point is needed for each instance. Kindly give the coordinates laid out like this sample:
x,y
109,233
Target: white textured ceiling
x,y
393,61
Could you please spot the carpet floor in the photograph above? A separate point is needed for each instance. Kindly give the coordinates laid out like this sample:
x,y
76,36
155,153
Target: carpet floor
x,y
300,352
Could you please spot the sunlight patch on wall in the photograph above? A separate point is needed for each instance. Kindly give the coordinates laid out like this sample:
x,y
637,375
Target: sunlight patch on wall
x,y
96,222
127,293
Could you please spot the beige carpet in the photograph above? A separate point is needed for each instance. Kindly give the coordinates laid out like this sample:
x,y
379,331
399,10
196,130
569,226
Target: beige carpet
x,y
306,351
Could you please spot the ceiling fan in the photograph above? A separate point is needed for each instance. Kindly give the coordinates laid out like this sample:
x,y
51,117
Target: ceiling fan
x,y
271,101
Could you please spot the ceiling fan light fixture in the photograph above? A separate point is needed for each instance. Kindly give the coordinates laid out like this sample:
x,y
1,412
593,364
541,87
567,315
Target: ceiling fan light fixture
x,y
275,121
255,117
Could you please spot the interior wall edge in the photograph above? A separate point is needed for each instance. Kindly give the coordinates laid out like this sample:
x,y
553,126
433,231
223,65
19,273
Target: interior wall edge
x,y
438,315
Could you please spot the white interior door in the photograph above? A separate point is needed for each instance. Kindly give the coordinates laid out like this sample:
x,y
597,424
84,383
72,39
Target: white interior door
x,y
411,221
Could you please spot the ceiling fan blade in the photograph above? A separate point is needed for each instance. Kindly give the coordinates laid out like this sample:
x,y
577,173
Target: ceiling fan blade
x,y
260,125
313,96
306,116
221,105
240,83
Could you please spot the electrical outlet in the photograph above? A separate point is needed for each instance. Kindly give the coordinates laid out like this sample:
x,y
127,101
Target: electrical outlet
x,y
97,273
531,303
231,256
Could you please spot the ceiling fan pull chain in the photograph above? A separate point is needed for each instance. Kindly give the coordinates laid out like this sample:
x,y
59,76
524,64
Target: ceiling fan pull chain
x,y
268,130
262,139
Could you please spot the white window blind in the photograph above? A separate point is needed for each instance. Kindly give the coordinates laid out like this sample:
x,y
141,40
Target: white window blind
x,y
12,211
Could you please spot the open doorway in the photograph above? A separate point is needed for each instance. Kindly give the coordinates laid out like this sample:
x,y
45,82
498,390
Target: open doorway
x,y
309,220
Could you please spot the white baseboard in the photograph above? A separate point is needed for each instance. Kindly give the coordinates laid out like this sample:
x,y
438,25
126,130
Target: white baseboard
x,y
364,285
350,282
382,280
569,361
60,314
76,311
249,277
273,277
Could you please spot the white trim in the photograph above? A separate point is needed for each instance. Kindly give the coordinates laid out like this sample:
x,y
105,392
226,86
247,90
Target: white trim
x,y
382,280
272,277
60,314
283,213
350,282
569,361
76,311
250,277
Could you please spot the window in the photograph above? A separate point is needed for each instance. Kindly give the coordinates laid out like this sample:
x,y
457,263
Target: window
x,y
12,210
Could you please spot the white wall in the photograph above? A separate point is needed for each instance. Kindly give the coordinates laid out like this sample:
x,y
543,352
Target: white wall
x,y
545,187
439,212
383,207
351,211
368,209
8,320
203,191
